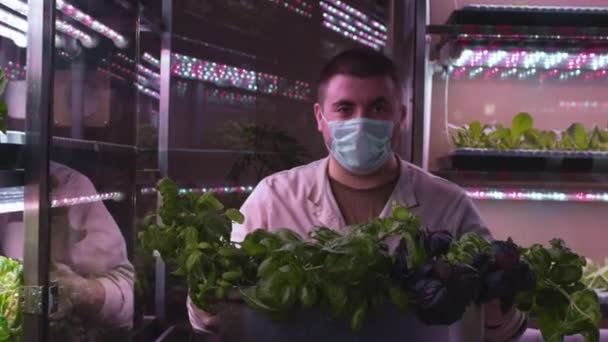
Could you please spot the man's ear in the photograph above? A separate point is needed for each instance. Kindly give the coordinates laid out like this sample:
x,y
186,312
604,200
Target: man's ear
x,y
318,116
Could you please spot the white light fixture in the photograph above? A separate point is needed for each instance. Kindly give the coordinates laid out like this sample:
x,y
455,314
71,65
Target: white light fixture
x,y
13,21
18,37
85,19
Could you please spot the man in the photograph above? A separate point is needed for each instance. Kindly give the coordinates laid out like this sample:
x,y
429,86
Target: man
x,y
361,116
88,257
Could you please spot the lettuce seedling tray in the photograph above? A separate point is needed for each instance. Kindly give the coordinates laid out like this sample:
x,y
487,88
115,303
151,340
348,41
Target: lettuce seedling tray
x,y
477,159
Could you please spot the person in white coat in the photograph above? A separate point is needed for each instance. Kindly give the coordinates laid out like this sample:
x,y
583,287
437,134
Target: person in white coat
x,y
88,255
361,116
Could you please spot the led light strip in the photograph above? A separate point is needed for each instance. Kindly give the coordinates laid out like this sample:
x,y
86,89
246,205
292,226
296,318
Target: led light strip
x,y
11,199
336,12
221,74
13,21
144,81
352,10
112,74
529,195
18,37
140,87
522,73
125,58
151,60
217,190
347,34
67,29
148,72
62,26
533,59
225,75
353,30
583,104
14,71
269,84
142,69
230,98
298,90
147,91
16,5
123,69
93,24
68,202
300,7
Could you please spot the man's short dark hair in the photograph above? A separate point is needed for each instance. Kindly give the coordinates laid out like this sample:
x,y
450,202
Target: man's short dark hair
x,y
359,62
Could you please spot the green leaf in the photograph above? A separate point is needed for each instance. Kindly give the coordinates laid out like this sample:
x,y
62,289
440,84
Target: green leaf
x,y
308,296
191,236
539,258
399,298
220,292
204,246
561,254
277,292
548,140
3,82
359,317
250,297
288,235
587,302
498,138
232,276
400,213
3,116
521,123
323,235
229,251
208,200
475,132
193,260
524,301
336,296
235,216
578,135
269,266
603,133
565,274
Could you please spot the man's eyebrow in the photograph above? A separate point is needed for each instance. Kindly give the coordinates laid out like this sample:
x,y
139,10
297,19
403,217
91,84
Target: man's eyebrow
x,y
343,103
379,100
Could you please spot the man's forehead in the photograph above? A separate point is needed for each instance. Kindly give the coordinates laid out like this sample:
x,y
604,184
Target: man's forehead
x,y
359,89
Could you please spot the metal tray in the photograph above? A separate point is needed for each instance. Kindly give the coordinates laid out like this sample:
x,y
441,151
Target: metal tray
x,y
240,323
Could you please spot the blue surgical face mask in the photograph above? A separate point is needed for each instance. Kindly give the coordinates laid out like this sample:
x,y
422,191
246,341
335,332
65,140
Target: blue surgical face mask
x,y
361,145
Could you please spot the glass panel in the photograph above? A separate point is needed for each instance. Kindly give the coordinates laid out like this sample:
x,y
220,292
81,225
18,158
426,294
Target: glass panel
x,y
96,91
441,10
13,50
549,62
243,85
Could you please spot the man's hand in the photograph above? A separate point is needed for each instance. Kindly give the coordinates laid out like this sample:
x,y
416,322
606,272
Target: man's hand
x,y
77,294
200,320
494,316
501,327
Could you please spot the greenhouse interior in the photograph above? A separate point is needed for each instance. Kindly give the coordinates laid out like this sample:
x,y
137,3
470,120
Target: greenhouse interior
x,y
303,170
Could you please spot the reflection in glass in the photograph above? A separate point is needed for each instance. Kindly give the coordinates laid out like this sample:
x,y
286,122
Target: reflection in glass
x,y
88,258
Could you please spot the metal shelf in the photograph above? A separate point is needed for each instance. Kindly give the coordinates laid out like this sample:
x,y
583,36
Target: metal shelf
x,y
527,180
531,153
11,178
520,26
